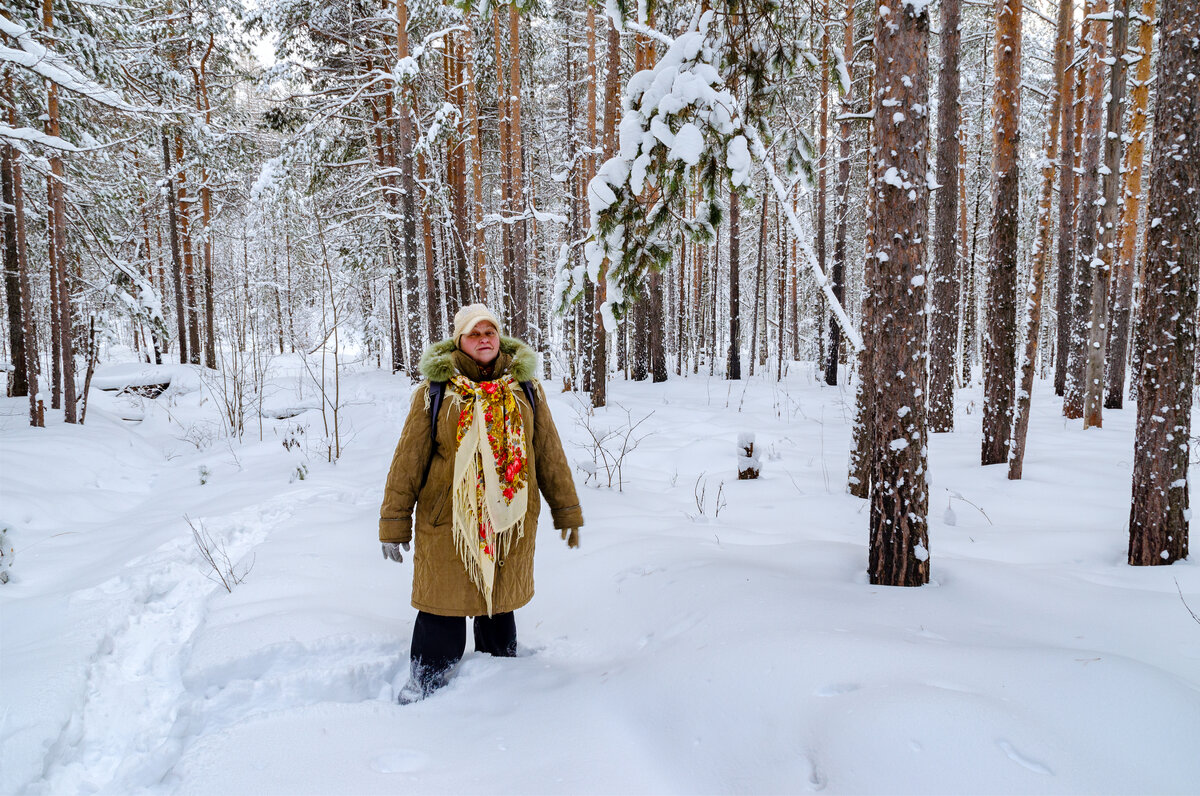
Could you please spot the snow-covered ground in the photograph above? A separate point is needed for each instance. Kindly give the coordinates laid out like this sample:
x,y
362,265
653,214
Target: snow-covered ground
x,y
711,635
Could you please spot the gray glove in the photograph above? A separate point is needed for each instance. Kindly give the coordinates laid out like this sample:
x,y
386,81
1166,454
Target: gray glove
x,y
392,550
571,537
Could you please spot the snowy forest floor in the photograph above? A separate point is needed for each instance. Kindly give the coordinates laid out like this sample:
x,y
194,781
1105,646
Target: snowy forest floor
x,y
711,635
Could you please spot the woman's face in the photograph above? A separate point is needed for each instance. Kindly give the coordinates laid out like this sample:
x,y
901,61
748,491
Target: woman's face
x,y
482,343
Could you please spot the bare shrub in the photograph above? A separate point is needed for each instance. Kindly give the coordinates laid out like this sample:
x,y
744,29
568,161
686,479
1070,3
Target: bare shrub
x,y
213,551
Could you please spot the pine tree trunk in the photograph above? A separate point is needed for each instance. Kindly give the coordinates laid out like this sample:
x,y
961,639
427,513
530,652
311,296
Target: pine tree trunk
x,y
943,322
431,290
1033,304
964,375
176,258
842,212
1159,515
57,230
822,167
456,164
658,352
1086,259
1106,246
899,549
55,317
612,84
16,239
408,198
521,271
189,265
1000,343
203,105
1066,214
858,481
639,366
1118,344
733,359
478,249
12,271
503,122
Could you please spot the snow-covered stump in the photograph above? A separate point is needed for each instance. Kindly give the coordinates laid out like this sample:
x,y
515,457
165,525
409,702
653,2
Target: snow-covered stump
x,y
749,464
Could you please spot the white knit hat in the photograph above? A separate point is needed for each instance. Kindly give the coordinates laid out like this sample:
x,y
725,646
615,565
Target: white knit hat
x,y
471,316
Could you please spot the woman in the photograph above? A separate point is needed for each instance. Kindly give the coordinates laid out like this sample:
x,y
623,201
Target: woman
x,y
478,445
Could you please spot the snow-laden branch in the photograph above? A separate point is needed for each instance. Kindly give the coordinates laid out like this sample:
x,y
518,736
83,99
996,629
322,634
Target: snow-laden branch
x,y
32,136
52,66
679,122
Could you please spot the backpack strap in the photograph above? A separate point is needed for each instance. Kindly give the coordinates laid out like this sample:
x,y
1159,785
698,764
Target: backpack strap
x,y
530,395
437,391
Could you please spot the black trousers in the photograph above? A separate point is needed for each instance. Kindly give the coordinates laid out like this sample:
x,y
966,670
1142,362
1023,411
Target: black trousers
x,y
438,643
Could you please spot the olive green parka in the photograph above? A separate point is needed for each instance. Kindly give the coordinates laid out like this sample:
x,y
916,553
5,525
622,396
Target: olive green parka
x,y
440,582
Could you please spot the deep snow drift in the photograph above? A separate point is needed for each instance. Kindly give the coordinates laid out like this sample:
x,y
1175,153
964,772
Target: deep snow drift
x,y
711,635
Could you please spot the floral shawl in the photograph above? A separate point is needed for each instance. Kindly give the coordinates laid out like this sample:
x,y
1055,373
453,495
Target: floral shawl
x,y
489,487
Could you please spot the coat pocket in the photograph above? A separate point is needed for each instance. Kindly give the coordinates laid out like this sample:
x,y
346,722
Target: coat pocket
x,y
438,515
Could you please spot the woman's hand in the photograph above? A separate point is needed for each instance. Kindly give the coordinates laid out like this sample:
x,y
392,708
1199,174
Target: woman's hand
x,y
392,550
571,535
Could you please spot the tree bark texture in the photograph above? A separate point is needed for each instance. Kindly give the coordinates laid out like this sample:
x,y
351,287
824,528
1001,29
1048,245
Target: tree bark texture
x,y
1066,215
189,263
16,239
612,97
408,201
943,277
12,274
841,213
899,546
822,168
1122,304
733,359
1106,246
1086,260
1159,515
1000,342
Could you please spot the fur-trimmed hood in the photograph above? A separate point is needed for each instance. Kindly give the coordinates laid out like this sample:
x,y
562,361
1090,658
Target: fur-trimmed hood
x,y
437,363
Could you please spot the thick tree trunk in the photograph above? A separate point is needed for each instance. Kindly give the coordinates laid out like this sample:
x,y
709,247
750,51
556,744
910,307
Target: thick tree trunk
x,y
1106,247
943,322
639,357
1086,261
1118,343
1041,243
899,549
1000,342
1159,515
